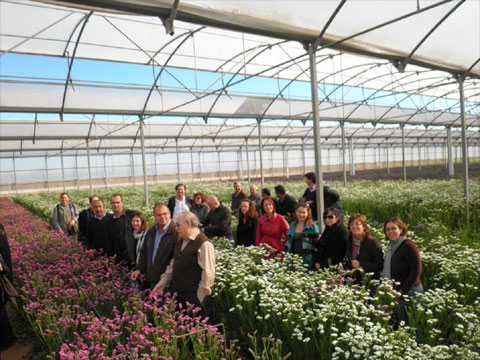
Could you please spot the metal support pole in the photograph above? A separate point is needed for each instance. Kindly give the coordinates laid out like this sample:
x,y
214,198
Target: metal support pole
x,y
240,165
156,169
132,168
352,162
316,133
403,153
449,152
460,80
200,165
387,156
178,161
260,147
419,156
191,164
342,126
46,172
219,169
89,168
364,157
271,162
144,162
77,176
14,175
248,161
303,159
105,169
285,162
63,171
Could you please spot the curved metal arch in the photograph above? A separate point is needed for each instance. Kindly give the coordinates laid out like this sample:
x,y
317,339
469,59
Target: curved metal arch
x,y
236,73
408,95
85,20
163,67
371,96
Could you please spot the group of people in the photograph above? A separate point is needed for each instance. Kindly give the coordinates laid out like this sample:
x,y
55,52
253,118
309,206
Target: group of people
x,y
176,253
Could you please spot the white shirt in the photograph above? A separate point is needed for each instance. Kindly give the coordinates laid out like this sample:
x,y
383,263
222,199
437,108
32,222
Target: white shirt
x,y
180,207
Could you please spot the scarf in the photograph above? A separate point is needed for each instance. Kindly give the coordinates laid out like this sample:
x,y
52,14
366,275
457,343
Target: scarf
x,y
139,237
387,264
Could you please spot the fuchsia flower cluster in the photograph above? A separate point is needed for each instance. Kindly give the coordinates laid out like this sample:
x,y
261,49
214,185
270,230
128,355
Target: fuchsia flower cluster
x,y
82,307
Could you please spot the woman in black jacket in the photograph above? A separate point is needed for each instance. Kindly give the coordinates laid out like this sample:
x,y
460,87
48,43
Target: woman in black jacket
x,y
247,223
7,338
363,251
333,242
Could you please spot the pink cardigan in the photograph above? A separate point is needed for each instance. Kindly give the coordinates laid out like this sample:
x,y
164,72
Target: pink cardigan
x,y
269,231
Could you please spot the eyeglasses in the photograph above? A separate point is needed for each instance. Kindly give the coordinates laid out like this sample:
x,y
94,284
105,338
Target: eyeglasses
x,y
329,217
391,229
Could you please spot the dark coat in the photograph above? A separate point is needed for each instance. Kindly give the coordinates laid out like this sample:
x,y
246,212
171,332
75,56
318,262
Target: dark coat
x,y
331,198
164,254
171,204
83,219
332,245
286,206
370,256
97,235
247,233
120,236
201,212
218,223
406,266
5,251
236,200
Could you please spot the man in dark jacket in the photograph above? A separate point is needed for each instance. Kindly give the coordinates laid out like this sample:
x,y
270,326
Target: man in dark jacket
x,y
285,204
331,198
218,221
157,249
83,219
7,337
97,235
119,231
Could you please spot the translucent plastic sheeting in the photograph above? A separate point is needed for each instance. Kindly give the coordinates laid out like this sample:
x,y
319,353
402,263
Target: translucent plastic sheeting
x,y
38,97
29,136
442,34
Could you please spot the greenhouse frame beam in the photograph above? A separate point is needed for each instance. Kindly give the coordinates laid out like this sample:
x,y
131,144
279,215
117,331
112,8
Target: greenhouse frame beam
x,y
460,80
404,166
144,163
316,133
89,168
344,167
260,147
248,160
449,152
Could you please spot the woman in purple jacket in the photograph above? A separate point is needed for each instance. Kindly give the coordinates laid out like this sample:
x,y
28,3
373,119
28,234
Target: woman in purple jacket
x,y
402,263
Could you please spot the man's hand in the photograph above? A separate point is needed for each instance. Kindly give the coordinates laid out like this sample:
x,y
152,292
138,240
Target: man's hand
x,y
355,264
158,289
71,224
134,275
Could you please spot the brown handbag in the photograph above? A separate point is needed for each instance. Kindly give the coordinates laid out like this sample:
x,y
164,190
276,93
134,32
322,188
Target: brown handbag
x,y
8,287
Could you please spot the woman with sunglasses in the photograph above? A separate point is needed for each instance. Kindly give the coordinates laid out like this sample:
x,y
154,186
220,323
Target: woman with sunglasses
x,y
402,263
363,251
199,206
333,242
303,235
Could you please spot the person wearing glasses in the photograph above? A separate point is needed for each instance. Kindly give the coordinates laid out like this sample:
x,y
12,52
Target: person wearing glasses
x,y
199,207
333,242
363,251
303,236
191,272
402,263
157,248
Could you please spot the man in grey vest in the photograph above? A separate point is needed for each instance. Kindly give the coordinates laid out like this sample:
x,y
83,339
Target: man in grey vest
x,y
192,270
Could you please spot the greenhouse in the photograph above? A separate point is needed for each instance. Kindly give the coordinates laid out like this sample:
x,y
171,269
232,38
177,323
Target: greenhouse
x,y
100,94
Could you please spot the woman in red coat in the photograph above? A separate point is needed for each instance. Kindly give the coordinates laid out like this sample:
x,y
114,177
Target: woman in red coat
x,y
270,228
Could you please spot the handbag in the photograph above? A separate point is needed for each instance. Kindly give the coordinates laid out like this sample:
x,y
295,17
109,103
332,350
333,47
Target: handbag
x,y
8,287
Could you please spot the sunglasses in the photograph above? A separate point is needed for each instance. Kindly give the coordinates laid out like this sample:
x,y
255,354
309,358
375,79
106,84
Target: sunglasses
x,y
329,217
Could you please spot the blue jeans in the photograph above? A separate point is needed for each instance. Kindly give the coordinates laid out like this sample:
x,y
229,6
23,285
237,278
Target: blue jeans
x,y
401,310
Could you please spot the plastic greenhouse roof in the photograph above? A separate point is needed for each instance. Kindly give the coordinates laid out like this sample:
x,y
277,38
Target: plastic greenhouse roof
x,y
399,58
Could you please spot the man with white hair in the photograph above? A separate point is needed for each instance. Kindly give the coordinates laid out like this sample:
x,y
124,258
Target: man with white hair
x,y
191,272
255,197
218,221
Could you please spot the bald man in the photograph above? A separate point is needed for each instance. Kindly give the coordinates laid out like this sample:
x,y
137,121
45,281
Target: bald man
x,y
218,221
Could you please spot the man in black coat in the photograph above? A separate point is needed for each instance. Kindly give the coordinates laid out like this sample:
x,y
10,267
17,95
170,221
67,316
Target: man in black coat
x,y
218,221
119,230
331,198
97,235
7,338
285,204
157,249
83,219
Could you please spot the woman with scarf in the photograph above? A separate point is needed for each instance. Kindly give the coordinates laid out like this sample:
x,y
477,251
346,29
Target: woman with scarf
x,y
363,251
333,242
402,263
139,226
303,235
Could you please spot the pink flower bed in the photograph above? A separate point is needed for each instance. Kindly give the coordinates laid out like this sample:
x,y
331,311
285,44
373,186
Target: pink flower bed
x,y
81,307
